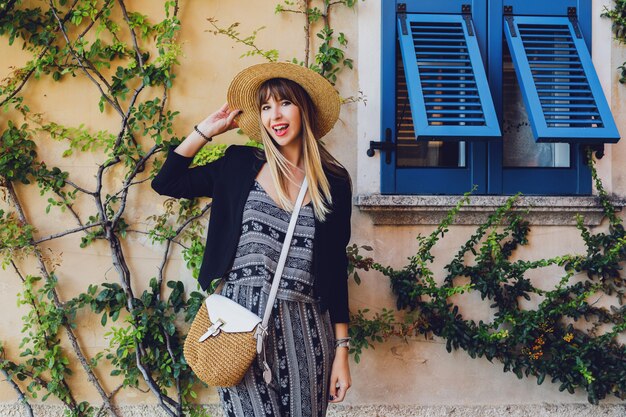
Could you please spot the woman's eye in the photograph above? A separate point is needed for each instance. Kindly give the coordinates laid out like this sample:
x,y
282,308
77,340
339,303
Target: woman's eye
x,y
286,103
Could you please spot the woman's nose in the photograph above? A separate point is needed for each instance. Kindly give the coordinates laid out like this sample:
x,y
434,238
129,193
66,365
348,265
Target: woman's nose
x,y
276,113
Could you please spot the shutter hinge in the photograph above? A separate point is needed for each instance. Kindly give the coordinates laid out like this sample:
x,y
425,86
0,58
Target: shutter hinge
x,y
508,16
401,10
386,146
466,10
573,18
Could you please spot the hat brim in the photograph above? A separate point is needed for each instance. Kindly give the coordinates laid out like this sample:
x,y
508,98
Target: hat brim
x,y
243,89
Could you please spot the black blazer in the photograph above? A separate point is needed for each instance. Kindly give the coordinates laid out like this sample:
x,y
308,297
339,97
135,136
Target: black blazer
x,y
228,181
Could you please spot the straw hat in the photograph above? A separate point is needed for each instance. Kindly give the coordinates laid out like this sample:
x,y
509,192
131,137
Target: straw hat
x,y
243,89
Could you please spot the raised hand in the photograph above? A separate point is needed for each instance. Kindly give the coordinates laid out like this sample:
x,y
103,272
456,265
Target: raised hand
x,y
219,122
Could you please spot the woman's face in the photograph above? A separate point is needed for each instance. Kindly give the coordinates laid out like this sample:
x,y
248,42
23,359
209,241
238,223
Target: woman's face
x,y
282,119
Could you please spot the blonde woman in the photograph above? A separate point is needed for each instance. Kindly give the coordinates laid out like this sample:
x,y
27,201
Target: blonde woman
x,y
288,108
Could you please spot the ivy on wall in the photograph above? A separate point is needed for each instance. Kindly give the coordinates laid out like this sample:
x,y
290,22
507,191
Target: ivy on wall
x,y
130,59
618,16
566,337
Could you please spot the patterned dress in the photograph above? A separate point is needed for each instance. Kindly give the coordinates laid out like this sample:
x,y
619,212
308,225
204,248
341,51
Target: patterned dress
x,y
300,344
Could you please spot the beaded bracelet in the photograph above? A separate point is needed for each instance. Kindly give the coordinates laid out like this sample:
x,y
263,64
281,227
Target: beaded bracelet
x,y
205,137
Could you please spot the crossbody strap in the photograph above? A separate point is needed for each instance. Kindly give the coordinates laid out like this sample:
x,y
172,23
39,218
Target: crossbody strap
x,y
262,328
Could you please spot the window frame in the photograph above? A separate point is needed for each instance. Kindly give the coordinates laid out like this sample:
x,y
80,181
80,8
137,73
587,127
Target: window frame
x,y
575,180
484,166
425,180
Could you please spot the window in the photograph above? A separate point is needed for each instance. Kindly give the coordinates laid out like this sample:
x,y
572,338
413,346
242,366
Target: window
x,y
497,94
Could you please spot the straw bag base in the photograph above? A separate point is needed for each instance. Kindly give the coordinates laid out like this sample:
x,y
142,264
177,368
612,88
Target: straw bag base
x,y
220,360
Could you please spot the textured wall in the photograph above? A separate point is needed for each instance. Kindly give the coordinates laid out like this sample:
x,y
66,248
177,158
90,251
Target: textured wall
x,y
418,378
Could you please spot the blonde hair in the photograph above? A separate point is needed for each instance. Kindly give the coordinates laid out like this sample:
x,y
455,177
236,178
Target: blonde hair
x,y
316,157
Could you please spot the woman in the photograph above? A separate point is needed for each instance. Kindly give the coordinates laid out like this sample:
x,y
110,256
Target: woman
x,y
288,108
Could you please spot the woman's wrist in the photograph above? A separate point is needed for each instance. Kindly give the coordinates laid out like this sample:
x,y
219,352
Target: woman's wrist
x,y
342,355
204,136
192,144
343,342
207,130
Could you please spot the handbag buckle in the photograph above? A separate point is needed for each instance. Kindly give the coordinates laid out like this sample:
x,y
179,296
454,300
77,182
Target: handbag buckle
x,y
214,330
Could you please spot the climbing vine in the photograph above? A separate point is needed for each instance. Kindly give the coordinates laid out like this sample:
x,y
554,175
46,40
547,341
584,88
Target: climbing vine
x,y
130,59
566,337
618,16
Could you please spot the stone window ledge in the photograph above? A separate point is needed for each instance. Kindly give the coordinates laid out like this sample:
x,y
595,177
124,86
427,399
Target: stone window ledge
x,y
428,210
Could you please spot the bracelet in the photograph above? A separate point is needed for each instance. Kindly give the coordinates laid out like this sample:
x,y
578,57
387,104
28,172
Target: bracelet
x,y
205,137
343,342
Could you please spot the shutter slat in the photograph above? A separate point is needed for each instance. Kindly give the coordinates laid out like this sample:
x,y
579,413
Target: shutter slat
x,y
440,35
560,87
573,106
557,83
554,61
458,119
454,111
438,44
531,41
570,113
428,88
455,104
460,68
559,71
454,97
539,56
549,49
464,83
455,74
560,77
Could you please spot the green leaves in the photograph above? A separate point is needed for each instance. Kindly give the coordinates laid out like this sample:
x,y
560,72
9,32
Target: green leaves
x,y
249,41
17,153
328,57
15,238
618,16
528,340
193,255
209,153
364,331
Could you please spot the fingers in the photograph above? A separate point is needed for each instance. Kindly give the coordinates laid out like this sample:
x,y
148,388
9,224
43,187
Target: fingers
x,y
332,392
338,391
341,393
224,107
230,120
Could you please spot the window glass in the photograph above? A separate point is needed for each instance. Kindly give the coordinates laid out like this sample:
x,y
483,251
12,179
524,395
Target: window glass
x,y
519,146
410,152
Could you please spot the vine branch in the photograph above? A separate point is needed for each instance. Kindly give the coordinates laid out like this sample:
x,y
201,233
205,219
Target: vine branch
x,y
45,49
20,395
13,198
112,101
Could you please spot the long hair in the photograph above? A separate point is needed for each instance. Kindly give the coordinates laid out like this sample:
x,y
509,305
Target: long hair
x,y
316,157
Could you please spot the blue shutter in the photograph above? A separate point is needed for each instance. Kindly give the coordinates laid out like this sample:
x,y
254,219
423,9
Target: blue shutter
x,y
446,81
561,90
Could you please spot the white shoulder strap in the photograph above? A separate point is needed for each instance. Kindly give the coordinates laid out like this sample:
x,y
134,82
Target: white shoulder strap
x,y
262,328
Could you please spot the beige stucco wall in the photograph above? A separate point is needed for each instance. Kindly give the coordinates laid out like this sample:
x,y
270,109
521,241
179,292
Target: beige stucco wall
x,y
423,372
420,372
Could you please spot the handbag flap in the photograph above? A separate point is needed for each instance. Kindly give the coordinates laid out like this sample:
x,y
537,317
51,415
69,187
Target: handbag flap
x,y
236,318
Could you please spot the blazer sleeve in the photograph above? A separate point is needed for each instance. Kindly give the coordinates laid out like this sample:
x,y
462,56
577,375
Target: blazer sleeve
x,y
176,179
338,307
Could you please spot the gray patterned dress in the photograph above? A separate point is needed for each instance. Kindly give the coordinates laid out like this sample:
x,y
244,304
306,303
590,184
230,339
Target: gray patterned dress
x,y
300,345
